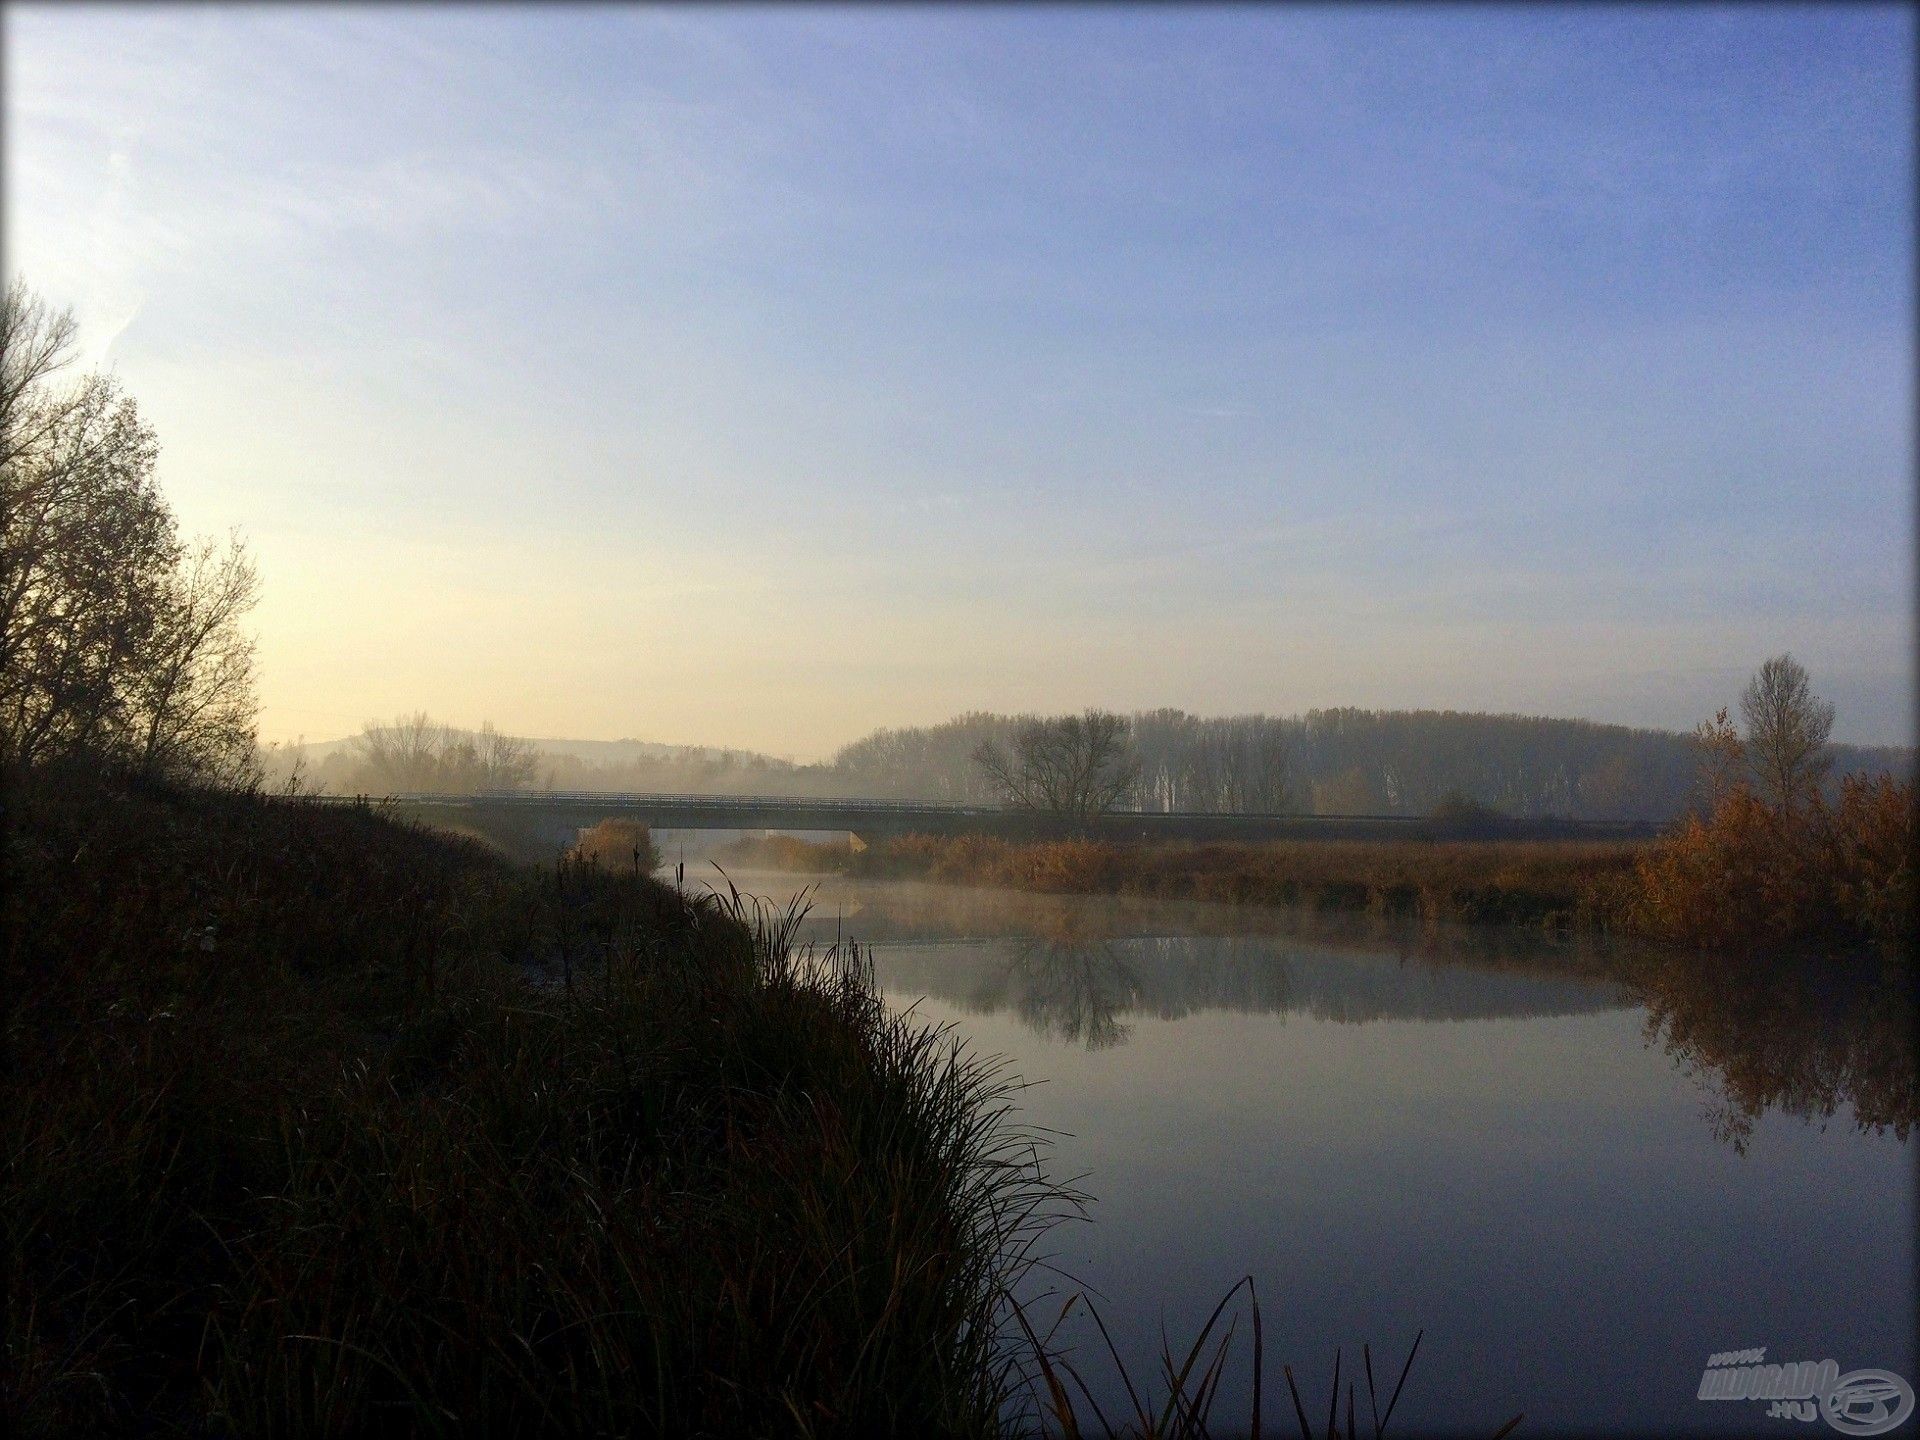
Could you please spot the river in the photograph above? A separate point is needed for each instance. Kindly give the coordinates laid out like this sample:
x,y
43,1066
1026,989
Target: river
x,y
1581,1171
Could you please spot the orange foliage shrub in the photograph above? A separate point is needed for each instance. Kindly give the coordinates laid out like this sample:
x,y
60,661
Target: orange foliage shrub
x,y
1752,874
1873,833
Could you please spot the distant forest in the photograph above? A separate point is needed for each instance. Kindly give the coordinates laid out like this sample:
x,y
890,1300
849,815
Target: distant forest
x,y
1327,762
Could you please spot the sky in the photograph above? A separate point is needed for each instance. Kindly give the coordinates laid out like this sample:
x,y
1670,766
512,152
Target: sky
x,y
759,377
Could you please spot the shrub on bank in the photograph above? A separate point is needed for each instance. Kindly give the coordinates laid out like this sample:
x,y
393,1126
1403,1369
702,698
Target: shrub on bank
x,y
1751,873
618,845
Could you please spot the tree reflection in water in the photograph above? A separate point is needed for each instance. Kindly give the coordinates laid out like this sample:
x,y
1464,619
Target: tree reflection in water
x,y
1805,1038
1071,992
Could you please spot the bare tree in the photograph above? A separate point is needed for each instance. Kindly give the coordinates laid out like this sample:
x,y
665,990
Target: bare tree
x,y
193,697
1787,727
108,644
1723,760
503,762
1074,768
417,753
36,343
402,756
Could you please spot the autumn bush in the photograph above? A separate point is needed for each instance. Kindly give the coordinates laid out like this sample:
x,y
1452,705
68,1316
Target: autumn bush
x,y
618,845
1752,873
1872,837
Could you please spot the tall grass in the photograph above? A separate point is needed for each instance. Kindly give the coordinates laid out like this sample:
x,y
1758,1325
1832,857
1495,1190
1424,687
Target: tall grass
x,y
1188,1383
320,1124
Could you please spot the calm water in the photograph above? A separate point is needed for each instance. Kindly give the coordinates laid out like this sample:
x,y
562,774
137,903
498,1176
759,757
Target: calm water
x,y
1581,1173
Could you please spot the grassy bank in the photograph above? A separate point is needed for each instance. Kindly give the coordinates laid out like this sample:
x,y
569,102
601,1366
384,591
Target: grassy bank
x,y
1554,883
318,1123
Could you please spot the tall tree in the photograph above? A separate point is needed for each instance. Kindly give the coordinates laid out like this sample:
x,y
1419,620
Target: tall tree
x,y
193,699
108,646
1074,767
1787,727
503,762
416,753
403,756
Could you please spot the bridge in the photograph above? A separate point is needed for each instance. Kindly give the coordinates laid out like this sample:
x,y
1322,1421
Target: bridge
x,y
546,820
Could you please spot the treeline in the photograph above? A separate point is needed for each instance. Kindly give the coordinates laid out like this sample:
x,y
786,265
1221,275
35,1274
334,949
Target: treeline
x,y
1328,762
1346,762
1774,854
417,753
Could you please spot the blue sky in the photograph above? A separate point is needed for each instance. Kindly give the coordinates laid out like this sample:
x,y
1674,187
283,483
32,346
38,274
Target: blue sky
x,y
759,376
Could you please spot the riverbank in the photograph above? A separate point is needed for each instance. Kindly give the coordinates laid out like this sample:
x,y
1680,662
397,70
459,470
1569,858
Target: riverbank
x,y
318,1122
1552,884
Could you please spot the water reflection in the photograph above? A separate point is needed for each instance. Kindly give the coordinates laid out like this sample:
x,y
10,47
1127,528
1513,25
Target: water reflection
x,y
1805,1039
1084,993
1491,1135
1072,993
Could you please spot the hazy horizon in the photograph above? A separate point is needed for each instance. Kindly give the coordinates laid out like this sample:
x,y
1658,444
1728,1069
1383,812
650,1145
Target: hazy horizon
x,y
611,744
764,377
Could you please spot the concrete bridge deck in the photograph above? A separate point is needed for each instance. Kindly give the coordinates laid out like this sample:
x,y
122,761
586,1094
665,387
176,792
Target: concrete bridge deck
x,y
558,815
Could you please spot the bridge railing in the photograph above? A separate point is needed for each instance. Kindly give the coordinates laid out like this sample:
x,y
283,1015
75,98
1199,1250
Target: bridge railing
x,y
825,808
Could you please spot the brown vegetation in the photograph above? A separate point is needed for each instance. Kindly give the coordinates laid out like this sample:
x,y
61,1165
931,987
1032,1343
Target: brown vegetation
x,y
618,845
1546,882
786,852
1753,874
1769,859
1748,874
